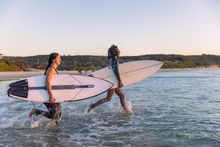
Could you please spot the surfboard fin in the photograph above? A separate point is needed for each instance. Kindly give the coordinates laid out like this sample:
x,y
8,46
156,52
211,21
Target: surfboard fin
x,y
19,89
21,83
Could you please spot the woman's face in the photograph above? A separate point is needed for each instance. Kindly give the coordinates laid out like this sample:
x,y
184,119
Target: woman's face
x,y
117,52
57,60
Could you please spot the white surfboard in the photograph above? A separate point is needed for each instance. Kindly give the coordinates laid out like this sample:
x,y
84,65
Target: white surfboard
x,y
130,72
65,87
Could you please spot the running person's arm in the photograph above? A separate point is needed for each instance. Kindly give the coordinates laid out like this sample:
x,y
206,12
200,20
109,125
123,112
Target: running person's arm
x,y
117,74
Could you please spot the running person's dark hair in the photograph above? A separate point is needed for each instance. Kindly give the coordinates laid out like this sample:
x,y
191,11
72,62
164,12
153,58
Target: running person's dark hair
x,y
50,61
111,51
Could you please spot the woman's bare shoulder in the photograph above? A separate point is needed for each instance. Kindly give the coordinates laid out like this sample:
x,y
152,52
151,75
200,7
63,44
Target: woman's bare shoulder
x,y
51,70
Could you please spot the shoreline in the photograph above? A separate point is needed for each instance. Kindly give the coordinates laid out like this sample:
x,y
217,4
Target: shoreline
x,y
4,76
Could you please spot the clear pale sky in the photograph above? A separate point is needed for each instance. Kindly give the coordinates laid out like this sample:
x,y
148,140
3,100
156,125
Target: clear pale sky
x,y
89,27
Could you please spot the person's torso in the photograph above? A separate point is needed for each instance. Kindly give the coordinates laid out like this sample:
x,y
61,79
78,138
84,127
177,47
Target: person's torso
x,y
114,62
56,72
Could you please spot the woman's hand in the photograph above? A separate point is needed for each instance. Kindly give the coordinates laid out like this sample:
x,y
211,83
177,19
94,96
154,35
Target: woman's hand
x,y
52,99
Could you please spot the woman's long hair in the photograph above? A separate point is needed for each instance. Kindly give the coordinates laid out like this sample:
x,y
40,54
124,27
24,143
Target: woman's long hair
x,y
111,51
50,61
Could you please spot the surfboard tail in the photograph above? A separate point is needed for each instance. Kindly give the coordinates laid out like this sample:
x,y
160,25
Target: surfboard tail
x,y
19,88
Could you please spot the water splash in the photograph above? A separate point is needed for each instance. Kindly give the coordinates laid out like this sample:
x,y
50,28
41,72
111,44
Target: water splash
x,y
169,111
129,107
4,87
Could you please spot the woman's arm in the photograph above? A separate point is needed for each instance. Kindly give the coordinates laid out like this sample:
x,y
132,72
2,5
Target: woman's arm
x,y
49,76
113,62
116,72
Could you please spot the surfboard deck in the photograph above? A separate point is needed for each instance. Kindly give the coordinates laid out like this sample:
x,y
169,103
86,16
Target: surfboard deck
x,y
65,87
130,72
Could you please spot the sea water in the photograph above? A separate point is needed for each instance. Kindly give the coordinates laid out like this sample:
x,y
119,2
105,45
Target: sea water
x,y
170,109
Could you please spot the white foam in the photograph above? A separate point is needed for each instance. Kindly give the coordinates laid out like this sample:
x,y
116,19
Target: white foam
x,y
9,120
37,123
52,123
4,87
86,111
129,107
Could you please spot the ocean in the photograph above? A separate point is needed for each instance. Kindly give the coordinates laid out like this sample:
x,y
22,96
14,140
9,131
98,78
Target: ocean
x,y
171,109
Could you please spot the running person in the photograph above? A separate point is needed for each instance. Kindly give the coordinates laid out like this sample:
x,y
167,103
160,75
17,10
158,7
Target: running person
x,y
113,57
54,109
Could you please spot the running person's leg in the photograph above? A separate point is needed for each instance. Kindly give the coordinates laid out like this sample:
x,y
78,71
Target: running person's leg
x,y
102,101
50,114
54,110
122,100
40,112
58,112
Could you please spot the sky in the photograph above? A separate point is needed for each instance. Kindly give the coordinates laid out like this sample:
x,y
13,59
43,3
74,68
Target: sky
x,y
90,27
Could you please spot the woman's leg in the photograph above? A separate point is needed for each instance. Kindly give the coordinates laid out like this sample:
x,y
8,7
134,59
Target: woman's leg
x,y
102,101
39,112
54,110
58,111
122,100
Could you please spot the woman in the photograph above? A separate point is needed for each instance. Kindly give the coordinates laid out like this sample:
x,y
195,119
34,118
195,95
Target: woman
x,y
113,57
54,109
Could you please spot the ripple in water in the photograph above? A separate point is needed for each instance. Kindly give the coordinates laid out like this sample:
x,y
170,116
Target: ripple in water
x,y
170,109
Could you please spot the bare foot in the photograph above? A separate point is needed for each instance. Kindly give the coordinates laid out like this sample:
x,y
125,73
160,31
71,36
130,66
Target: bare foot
x,y
130,112
89,108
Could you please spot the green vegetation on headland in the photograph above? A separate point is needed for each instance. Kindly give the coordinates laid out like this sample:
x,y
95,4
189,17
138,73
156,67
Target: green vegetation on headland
x,y
10,65
87,63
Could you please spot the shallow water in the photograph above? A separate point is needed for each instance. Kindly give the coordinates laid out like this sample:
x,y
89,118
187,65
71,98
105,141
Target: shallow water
x,y
171,109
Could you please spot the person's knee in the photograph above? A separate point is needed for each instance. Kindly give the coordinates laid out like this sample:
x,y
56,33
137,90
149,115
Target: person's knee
x,y
120,94
107,99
